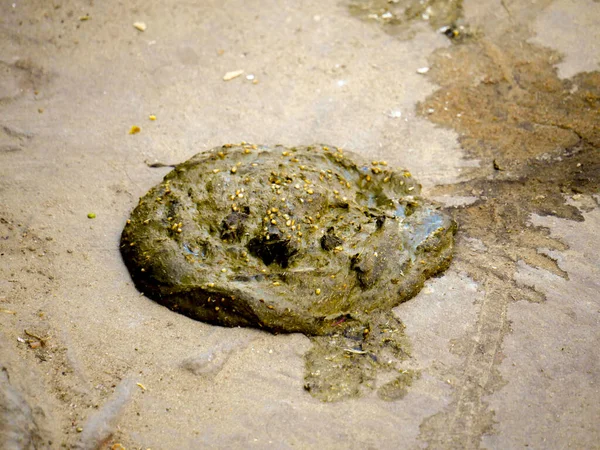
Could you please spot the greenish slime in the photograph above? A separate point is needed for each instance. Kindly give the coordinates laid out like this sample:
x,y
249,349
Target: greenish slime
x,y
300,239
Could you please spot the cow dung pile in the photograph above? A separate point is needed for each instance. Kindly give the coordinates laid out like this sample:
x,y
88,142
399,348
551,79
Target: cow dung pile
x,y
303,239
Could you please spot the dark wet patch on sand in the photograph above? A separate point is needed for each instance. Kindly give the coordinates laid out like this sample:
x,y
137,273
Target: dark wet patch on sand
x,y
538,143
537,138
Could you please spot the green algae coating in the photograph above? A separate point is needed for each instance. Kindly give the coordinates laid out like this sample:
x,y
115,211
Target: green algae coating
x,y
298,239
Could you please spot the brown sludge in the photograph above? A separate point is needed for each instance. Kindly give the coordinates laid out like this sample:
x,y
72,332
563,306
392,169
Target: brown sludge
x,y
285,239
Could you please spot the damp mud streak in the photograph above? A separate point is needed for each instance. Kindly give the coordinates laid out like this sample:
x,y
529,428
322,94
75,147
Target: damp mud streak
x,y
538,142
537,138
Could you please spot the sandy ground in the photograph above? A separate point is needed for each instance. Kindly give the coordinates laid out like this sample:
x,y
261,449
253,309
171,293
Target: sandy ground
x,y
506,341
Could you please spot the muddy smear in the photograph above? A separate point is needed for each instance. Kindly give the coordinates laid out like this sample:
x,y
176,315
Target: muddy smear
x,y
508,105
396,16
293,240
537,138
538,141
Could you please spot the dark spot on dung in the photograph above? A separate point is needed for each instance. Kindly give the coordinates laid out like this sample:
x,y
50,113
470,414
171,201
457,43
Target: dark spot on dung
x,y
232,226
272,250
330,241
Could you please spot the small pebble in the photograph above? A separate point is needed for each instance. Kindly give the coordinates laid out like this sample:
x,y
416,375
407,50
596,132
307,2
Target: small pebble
x,y
233,74
141,26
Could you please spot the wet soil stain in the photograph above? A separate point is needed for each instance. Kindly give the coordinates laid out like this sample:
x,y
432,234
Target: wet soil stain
x,y
537,138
